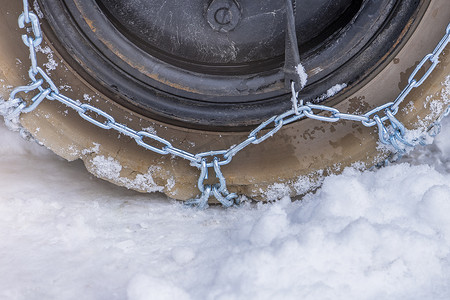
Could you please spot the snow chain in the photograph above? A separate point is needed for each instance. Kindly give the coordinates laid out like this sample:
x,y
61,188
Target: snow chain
x,y
390,130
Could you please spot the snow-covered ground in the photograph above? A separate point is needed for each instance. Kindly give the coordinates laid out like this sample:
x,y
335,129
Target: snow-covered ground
x,y
381,234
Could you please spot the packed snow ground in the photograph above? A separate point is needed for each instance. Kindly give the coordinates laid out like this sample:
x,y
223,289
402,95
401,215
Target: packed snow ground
x,y
381,234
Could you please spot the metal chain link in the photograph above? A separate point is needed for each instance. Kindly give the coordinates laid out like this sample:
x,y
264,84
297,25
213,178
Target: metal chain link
x,y
392,134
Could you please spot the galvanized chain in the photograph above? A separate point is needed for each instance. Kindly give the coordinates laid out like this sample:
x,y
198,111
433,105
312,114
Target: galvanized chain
x,y
391,134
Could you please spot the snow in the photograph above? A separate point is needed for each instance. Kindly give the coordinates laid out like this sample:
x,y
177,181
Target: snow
x,y
51,63
110,168
382,234
335,89
330,92
302,74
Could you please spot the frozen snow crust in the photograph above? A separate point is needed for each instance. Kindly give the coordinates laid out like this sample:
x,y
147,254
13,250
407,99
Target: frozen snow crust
x,y
381,234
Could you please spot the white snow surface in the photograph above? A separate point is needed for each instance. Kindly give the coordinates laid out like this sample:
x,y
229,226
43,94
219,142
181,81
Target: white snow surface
x,y
302,74
381,234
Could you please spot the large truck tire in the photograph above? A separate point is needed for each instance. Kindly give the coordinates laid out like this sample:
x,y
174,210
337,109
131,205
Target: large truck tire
x,y
291,162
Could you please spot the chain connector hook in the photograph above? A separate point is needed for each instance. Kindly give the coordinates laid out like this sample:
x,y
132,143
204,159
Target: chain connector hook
x,y
218,190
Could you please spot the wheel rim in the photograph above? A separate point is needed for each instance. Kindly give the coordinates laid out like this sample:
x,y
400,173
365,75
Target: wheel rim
x,y
221,94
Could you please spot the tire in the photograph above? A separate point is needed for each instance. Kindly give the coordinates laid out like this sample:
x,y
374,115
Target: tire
x,y
292,162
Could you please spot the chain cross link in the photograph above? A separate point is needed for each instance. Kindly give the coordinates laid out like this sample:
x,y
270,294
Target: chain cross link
x,y
392,134
219,190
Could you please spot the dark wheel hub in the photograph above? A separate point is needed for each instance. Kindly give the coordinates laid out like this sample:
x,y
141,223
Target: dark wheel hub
x,y
219,64
223,15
